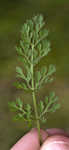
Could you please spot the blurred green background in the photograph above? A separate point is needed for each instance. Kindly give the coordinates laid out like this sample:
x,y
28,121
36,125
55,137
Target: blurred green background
x,y
12,16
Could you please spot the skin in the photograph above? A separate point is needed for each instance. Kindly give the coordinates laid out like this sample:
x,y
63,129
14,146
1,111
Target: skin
x,y
53,139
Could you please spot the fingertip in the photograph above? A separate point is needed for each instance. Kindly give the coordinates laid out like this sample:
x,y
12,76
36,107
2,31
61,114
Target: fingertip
x,y
58,131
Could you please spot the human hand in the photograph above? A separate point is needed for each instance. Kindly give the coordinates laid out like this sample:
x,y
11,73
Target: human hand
x,y
57,140
30,141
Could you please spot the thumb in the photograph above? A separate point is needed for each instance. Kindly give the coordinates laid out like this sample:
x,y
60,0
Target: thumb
x,y
30,141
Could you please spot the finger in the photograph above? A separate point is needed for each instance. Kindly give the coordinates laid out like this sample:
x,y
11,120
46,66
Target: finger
x,y
29,141
57,142
57,131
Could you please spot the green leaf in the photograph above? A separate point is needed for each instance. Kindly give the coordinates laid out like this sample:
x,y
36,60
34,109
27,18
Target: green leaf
x,y
54,107
52,100
28,107
29,53
20,73
21,85
24,46
23,60
30,124
31,25
46,100
38,20
21,44
19,102
39,46
43,120
43,70
46,79
35,37
17,117
27,68
52,95
51,80
19,70
51,70
28,115
46,45
12,106
28,76
19,50
55,99
37,28
33,34
18,85
24,86
28,111
41,106
35,53
37,76
43,32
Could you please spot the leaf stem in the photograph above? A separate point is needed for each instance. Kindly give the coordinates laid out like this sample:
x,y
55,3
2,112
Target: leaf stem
x,y
36,115
34,100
